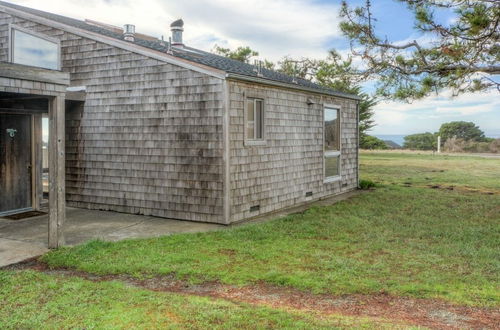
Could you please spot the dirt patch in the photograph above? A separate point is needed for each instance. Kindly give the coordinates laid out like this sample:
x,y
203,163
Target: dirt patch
x,y
433,313
462,189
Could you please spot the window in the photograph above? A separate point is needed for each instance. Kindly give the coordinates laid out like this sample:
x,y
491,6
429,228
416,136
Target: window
x,y
255,119
332,143
29,49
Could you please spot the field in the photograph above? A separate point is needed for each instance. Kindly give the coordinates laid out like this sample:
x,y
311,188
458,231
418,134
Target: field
x,y
428,235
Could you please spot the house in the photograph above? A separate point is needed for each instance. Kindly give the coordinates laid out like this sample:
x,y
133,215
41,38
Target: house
x,y
140,125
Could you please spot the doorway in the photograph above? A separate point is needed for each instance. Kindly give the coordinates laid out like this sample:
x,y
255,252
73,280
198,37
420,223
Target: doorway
x,y
15,163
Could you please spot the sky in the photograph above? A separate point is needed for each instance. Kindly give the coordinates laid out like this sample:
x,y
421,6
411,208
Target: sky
x,y
296,28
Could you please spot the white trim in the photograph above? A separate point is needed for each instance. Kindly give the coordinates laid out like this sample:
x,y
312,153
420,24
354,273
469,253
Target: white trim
x,y
332,106
117,43
331,179
35,34
332,153
255,141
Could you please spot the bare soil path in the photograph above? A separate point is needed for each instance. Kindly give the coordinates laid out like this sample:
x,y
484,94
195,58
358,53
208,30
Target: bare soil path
x,y
431,313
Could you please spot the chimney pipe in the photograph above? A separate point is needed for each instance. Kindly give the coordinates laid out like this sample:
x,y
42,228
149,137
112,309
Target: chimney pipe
x,y
129,32
177,28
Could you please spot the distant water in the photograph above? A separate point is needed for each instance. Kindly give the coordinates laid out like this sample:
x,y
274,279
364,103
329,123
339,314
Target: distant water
x,y
399,139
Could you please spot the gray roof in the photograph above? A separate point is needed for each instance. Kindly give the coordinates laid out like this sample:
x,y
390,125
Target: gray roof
x,y
222,63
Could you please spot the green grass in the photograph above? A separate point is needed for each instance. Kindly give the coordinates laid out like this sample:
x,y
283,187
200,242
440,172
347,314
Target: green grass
x,y
412,241
461,171
31,300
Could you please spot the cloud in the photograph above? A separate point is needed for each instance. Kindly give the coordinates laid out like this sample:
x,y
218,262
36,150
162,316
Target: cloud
x,y
274,28
428,114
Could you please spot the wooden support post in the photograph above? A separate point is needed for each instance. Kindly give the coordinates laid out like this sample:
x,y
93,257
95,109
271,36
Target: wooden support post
x,y
57,191
37,170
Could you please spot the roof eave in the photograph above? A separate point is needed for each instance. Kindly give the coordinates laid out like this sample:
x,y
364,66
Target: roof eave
x,y
264,81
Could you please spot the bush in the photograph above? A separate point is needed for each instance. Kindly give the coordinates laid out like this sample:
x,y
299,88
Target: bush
x,y
366,184
495,146
371,142
455,144
462,130
422,141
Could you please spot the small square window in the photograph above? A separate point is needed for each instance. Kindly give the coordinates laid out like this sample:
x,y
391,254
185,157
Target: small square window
x,y
254,119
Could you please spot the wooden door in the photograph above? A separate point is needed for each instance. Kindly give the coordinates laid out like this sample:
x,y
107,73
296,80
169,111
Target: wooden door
x,y
15,163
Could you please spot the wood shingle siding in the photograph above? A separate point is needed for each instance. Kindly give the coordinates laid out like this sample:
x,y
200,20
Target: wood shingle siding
x,y
161,138
148,139
278,174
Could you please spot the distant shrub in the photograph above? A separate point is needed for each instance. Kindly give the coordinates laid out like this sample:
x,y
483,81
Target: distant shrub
x,y
455,144
371,142
467,131
495,146
422,141
366,184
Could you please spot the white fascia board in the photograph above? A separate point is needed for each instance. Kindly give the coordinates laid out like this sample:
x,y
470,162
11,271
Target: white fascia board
x,y
118,43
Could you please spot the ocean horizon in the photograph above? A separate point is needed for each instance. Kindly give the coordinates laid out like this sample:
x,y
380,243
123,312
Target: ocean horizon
x,y
400,138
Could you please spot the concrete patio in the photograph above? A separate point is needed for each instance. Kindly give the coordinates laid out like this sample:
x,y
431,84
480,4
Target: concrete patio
x,y
27,238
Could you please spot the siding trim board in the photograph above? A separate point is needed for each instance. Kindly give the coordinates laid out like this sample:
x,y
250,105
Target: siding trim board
x,y
226,158
269,82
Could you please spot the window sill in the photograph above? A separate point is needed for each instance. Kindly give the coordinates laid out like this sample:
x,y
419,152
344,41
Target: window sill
x,y
332,153
332,179
255,142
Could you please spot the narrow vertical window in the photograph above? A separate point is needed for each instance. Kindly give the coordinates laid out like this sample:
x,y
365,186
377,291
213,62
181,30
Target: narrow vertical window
x,y
332,150
255,119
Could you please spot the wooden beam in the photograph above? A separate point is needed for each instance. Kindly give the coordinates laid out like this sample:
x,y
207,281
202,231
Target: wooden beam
x,y
57,191
22,111
37,162
24,72
76,96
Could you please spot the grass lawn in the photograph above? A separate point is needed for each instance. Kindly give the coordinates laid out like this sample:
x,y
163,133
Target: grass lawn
x,y
404,240
32,300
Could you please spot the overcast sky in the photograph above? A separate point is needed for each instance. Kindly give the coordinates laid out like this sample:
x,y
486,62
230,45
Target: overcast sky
x,y
277,28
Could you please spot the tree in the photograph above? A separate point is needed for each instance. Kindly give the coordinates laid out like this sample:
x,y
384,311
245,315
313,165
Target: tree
x,y
463,54
467,131
372,142
422,141
333,72
336,73
242,54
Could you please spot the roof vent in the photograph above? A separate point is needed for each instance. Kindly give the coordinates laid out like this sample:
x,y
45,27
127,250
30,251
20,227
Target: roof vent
x,y
258,68
129,32
177,27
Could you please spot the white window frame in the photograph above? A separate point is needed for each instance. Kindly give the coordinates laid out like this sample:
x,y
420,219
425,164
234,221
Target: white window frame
x,y
255,141
56,41
332,153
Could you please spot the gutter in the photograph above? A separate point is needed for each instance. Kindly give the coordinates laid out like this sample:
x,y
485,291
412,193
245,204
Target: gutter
x,y
265,81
